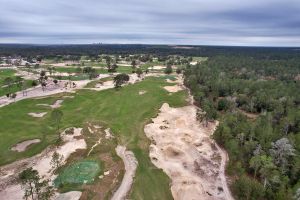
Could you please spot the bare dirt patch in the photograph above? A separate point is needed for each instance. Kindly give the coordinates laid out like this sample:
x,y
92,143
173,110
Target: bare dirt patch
x,y
22,146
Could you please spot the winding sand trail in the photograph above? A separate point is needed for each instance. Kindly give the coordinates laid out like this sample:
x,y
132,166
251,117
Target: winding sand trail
x,y
131,164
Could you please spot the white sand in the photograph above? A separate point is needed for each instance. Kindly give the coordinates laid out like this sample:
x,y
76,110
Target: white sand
x,y
71,145
186,153
104,86
56,104
22,146
142,92
173,89
108,134
133,78
38,115
157,67
130,163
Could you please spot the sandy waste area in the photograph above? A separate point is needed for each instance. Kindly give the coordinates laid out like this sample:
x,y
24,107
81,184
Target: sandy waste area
x,y
182,147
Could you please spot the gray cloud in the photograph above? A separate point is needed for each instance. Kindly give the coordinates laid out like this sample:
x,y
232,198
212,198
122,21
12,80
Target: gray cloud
x,y
214,22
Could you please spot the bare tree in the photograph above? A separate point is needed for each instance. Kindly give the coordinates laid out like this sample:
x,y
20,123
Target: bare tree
x,y
281,152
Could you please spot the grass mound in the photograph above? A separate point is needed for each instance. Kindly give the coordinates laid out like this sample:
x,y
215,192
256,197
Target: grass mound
x,y
78,173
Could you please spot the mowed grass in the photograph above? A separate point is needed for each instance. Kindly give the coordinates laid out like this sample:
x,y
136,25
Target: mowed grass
x,y
124,111
4,73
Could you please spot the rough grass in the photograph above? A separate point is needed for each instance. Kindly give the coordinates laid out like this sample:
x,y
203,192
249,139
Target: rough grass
x,y
124,111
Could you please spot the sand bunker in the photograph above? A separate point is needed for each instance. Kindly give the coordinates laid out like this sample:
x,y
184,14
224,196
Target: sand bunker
x,y
10,190
38,115
130,163
157,67
104,86
173,89
22,146
142,92
57,104
186,153
133,78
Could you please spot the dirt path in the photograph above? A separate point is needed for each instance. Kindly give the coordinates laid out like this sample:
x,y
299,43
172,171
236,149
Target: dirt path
x,y
130,163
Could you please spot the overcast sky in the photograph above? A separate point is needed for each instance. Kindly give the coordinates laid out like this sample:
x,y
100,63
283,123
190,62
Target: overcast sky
x,y
198,22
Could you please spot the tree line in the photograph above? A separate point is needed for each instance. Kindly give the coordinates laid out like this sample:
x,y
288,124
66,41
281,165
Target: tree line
x,y
257,102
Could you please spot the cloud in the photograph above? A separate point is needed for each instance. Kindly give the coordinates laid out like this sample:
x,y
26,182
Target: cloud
x,y
199,22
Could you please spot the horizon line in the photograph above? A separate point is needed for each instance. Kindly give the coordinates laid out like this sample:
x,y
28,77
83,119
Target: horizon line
x,y
195,45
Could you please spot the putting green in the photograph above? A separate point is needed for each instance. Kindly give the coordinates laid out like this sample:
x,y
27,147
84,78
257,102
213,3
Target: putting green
x,y
78,173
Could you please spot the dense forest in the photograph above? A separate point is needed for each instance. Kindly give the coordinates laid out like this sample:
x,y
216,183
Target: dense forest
x,y
257,102
26,50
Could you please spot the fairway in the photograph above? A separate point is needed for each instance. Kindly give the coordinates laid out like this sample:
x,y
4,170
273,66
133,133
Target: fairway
x,y
123,110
